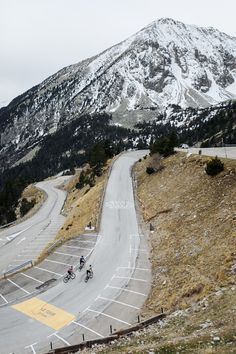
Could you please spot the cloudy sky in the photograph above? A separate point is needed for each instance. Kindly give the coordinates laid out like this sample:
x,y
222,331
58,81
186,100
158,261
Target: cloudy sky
x,y
39,37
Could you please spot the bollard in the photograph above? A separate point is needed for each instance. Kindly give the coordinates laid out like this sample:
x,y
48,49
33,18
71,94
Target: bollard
x,y
162,311
83,337
51,345
138,319
110,329
151,227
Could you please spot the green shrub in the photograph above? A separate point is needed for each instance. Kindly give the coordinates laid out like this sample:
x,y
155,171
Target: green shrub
x,y
150,170
214,166
26,206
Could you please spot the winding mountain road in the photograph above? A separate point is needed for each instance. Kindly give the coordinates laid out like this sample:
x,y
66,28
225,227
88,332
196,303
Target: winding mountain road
x,y
25,241
66,314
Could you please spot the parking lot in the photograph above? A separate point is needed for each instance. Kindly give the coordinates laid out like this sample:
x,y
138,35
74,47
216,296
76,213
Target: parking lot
x,y
54,267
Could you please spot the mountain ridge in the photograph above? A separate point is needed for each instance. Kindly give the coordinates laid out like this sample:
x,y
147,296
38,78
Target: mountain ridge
x,y
166,62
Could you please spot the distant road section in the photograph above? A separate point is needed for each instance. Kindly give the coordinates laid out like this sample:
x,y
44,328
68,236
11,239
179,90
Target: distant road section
x,y
25,241
223,152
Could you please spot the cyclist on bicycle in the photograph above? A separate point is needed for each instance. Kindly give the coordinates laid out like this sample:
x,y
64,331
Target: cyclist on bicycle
x,y
70,271
82,261
89,271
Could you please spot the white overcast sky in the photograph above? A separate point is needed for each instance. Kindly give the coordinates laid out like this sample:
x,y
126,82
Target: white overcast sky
x,y
39,37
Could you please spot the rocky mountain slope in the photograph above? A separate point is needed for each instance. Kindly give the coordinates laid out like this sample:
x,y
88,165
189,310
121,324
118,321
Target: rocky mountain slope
x,y
211,126
166,62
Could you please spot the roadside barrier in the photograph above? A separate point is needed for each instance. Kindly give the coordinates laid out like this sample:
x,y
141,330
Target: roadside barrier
x,y
54,245
116,335
17,268
6,225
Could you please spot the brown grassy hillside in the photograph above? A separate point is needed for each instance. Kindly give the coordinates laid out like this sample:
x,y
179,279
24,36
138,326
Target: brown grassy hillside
x,y
193,243
193,255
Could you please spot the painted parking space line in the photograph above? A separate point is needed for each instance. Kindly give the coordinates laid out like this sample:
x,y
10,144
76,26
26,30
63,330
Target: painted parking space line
x,y
118,302
50,315
78,247
49,260
67,254
31,346
83,241
4,298
104,314
136,279
18,286
28,276
49,271
59,337
89,329
127,290
134,268
87,235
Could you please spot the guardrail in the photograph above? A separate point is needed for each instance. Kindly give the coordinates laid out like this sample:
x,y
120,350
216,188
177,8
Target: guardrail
x,y
15,269
54,245
115,335
6,225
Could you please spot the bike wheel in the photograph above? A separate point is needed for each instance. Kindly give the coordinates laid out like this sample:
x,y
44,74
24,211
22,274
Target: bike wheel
x,y
65,279
86,279
73,276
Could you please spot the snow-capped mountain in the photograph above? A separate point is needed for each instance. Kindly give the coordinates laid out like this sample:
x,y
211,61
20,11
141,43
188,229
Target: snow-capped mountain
x,y
165,63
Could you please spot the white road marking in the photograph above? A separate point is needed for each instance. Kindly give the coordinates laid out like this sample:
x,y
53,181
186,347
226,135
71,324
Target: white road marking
x,y
49,260
18,261
117,276
89,329
28,276
77,247
67,254
4,298
32,347
104,314
83,241
118,302
12,236
49,271
88,235
23,239
18,286
136,236
62,339
130,291
27,254
139,250
133,268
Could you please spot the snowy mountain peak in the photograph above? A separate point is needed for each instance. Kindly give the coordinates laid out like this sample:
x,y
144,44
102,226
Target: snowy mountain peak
x,y
167,62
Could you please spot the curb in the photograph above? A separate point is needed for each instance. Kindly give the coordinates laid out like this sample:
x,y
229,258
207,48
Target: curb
x,y
106,340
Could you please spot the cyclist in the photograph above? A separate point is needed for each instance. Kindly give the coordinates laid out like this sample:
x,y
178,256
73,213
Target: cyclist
x,y
89,271
82,261
70,271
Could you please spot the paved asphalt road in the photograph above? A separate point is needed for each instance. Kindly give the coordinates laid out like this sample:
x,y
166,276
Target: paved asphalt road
x,y
64,313
223,152
25,241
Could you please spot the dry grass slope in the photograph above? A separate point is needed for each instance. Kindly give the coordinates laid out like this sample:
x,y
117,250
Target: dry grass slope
x,y
193,245
193,258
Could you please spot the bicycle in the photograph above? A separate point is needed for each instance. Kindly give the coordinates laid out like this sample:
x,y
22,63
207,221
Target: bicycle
x,y
68,276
